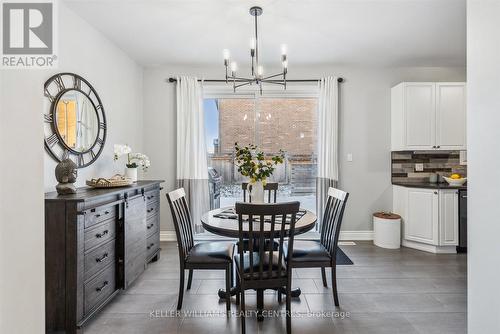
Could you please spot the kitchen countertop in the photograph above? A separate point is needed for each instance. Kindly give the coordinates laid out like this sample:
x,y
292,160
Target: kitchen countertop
x,y
429,185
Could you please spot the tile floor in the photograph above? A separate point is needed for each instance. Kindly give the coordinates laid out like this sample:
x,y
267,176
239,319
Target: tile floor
x,y
385,291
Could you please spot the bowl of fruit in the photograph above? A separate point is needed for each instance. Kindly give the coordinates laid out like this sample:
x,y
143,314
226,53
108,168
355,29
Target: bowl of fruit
x,y
455,179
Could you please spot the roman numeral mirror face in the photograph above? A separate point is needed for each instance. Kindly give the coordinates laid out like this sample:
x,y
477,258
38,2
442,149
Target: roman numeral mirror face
x,y
75,123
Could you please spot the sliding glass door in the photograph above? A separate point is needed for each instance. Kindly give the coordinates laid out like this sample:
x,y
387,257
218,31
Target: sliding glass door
x,y
271,123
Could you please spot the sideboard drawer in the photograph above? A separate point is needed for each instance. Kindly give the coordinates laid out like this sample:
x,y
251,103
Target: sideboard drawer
x,y
99,288
152,225
99,234
99,214
98,259
152,208
152,196
153,243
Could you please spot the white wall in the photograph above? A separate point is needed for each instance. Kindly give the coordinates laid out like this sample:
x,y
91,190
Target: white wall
x,y
483,112
365,129
118,81
26,170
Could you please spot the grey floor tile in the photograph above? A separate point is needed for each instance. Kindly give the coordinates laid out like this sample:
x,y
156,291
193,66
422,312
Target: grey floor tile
x,y
160,286
385,291
438,323
132,324
140,303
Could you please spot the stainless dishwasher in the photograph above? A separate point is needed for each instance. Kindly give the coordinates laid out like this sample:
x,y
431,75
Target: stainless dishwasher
x,y
462,221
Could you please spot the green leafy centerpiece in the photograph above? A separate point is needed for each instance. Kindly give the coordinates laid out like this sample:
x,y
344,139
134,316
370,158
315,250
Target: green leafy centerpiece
x,y
253,164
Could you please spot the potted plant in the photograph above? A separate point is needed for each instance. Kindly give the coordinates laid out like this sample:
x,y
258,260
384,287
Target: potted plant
x,y
254,165
134,160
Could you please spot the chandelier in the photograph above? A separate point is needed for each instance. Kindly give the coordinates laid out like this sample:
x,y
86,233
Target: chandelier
x,y
257,76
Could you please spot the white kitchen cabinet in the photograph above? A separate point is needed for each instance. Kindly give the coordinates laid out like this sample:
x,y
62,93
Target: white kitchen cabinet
x,y
429,217
422,224
450,116
448,217
428,116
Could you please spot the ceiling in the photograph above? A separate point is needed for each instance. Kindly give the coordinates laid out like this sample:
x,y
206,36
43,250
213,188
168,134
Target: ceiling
x,y
343,32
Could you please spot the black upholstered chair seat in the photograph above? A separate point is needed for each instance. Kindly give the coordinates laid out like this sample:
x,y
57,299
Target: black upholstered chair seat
x,y
265,264
211,252
309,251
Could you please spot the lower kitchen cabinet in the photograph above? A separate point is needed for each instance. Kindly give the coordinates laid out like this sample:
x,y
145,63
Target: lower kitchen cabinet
x,y
429,217
448,217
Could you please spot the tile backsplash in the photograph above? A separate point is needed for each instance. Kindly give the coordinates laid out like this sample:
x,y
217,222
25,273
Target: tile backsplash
x,y
440,162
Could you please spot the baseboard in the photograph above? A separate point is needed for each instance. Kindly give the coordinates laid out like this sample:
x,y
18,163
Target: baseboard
x,y
167,236
429,248
356,235
344,235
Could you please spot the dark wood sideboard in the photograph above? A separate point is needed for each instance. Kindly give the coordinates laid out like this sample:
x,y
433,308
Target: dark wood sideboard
x,y
97,242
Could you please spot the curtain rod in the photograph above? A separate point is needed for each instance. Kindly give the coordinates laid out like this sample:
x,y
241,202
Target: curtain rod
x,y
288,80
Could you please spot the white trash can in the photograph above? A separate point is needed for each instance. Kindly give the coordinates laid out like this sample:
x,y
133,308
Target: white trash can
x,y
387,230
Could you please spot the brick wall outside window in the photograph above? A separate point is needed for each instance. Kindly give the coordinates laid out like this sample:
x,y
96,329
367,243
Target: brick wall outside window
x,y
283,123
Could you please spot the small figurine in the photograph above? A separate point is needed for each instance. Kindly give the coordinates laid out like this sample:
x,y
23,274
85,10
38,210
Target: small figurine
x,y
66,174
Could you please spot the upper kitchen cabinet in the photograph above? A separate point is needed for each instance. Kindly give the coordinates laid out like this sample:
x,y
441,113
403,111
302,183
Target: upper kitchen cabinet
x,y
428,116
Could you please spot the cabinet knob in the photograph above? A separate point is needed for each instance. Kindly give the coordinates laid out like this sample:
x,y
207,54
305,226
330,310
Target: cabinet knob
x,y
435,193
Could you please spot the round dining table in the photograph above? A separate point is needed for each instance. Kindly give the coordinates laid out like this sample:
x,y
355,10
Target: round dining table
x,y
224,222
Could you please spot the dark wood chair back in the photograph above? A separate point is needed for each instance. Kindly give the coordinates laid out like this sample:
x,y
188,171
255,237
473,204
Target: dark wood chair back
x,y
270,187
182,221
267,227
332,220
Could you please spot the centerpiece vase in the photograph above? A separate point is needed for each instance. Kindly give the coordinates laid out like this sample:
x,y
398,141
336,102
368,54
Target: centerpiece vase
x,y
257,192
131,173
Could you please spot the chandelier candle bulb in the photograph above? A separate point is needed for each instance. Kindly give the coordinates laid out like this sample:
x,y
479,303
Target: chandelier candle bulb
x,y
234,67
226,55
283,49
260,70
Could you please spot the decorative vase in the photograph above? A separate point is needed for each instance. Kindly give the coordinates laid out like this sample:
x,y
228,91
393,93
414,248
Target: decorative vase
x,y
257,192
131,173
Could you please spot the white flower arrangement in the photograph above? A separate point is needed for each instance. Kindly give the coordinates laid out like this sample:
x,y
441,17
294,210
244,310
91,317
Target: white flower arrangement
x,y
134,160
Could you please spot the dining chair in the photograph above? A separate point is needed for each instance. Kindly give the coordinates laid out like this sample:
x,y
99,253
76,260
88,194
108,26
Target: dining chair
x,y
206,255
261,266
322,253
270,187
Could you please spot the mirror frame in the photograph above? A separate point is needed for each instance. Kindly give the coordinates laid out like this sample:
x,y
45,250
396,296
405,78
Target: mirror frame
x,y
55,87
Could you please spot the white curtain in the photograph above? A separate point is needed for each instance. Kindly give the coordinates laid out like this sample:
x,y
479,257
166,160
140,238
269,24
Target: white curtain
x,y
328,139
192,169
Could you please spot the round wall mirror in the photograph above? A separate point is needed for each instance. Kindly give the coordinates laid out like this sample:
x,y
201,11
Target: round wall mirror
x,y
76,121
75,124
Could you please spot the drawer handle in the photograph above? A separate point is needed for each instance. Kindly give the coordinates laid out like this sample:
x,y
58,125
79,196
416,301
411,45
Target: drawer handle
x,y
100,259
150,226
151,210
99,215
104,285
150,246
150,197
100,235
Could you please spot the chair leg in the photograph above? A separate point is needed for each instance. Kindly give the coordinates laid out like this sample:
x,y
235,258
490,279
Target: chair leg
x,y
279,296
181,289
190,279
237,290
289,308
242,311
232,274
334,285
323,275
228,288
